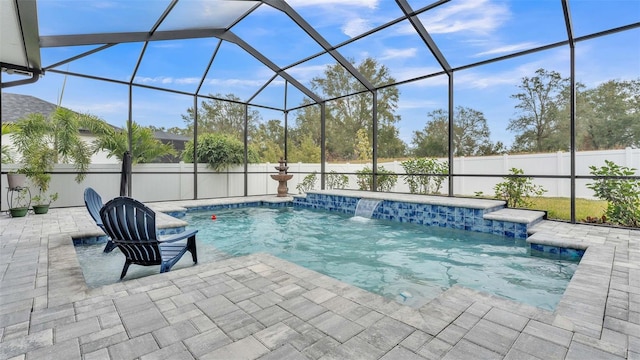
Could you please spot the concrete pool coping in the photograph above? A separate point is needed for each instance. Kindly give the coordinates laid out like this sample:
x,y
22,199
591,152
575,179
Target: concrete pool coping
x,y
263,307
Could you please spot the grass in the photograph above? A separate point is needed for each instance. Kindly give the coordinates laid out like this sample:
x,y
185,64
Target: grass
x,y
560,208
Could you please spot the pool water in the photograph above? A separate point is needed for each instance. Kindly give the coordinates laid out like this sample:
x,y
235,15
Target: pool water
x,y
406,262
409,263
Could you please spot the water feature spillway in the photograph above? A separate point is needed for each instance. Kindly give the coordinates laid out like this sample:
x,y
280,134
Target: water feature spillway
x,y
366,207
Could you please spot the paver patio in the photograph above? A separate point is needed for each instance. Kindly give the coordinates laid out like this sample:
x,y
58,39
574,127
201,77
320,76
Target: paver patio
x,y
262,307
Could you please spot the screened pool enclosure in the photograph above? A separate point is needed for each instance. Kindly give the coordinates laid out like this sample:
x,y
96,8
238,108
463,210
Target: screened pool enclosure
x,y
438,97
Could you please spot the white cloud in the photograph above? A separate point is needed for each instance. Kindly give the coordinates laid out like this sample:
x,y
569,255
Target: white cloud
x,y
153,80
100,107
304,74
507,49
481,81
398,53
405,73
352,17
205,13
164,80
235,82
512,76
406,103
187,81
167,44
371,4
476,16
355,27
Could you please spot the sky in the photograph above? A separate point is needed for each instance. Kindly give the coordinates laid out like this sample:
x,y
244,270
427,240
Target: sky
x,y
465,31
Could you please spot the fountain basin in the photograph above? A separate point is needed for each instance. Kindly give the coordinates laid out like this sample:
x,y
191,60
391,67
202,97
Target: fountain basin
x,y
282,183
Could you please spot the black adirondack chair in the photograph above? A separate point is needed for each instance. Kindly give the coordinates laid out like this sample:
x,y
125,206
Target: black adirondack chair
x,y
93,202
132,227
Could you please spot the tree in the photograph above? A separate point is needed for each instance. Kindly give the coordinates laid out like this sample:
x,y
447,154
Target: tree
x,y
539,126
172,130
268,141
363,148
46,141
387,179
223,116
389,143
622,195
6,152
517,190
219,151
470,134
145,148
346,115
433,140
305,150
304,138
608,116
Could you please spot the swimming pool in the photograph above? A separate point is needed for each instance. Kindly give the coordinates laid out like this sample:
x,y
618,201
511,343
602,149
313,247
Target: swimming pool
x,y
406,262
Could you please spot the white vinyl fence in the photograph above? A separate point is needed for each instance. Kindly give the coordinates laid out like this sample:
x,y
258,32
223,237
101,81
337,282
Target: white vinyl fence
x,y
162,182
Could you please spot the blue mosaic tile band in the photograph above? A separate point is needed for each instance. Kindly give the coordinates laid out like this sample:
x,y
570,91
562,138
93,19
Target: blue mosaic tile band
x,y
423,214
556,252
177,214
91,240
226,206
171,230
181,214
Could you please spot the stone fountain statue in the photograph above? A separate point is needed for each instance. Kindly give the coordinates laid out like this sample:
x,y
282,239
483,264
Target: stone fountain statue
x,y
282,178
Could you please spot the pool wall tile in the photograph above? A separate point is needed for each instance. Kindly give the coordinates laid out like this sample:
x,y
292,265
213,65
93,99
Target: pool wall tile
x,y
177,214
171,231
556,253
91,240
425,214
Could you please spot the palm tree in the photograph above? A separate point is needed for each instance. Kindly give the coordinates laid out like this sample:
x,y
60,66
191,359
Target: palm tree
x,y
44,142
6,152
145,148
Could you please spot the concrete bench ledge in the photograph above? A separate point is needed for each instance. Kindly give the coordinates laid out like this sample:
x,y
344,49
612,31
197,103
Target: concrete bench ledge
x,y
551,239
415,198
515,215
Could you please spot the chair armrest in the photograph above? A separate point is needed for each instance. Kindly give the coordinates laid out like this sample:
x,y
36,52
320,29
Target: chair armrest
x,y
179,236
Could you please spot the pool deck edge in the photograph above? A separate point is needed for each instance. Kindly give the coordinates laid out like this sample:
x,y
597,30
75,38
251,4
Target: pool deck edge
x,y
264,306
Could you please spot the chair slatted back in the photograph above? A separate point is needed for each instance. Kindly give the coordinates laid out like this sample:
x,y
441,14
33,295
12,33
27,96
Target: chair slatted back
x,y
93,202
132,226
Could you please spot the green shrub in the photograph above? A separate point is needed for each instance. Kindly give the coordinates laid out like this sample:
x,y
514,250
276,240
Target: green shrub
x,y
424,184
386,179
308,183
219,151
517,191
336,181
622,195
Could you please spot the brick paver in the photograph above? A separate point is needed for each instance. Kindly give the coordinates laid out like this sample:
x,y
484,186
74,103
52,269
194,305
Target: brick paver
x,y
261,307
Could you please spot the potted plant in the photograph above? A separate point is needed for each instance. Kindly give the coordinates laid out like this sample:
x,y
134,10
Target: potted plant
x,y
16,179
37,172
18,204
42,202
44,141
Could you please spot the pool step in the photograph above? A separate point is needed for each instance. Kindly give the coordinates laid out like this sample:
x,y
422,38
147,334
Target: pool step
x,y
553,246
521,216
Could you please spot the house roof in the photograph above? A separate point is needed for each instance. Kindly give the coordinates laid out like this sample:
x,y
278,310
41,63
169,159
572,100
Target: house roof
x,y
161,135
16,106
